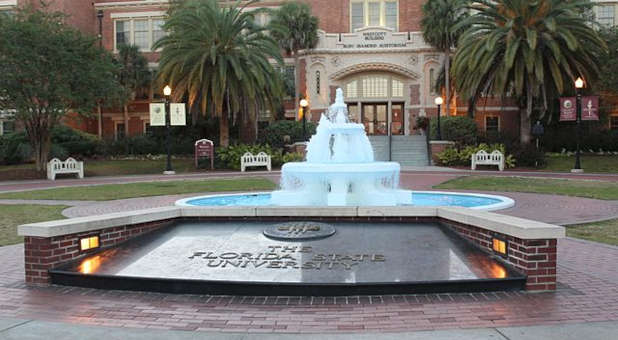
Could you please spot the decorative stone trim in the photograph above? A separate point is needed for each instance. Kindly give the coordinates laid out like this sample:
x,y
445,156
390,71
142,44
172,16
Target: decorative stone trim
x,y
404,71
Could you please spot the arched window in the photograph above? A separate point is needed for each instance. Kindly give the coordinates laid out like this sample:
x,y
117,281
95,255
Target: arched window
x,y
317,82
374,86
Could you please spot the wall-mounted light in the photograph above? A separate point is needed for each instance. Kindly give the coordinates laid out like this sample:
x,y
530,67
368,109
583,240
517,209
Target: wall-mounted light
x,y
89,243
500,246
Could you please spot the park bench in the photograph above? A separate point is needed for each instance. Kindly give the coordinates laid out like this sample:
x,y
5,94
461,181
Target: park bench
x,y
248,159
484,158
70,166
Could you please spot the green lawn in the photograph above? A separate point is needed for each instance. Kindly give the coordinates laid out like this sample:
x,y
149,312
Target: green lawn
x,y
119,191
603,164
122,167
580,188
604,232
14,215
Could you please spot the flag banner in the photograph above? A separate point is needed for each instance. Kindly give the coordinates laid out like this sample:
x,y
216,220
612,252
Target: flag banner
x,y
567,109
590,108
178,114
157,114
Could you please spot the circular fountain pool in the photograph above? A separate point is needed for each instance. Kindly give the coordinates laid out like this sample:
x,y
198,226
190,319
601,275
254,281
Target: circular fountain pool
x,y
419,198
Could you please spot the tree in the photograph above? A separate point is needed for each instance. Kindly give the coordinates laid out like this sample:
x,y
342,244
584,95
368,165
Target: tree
x,y
217,58
439,30
134,75
48,70
295,29
532,50
608,79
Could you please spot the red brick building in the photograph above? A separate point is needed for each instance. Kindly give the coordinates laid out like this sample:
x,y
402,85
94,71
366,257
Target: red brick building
x,y
373,49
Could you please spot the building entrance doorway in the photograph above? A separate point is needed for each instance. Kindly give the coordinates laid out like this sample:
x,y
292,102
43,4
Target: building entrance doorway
x,y
378,118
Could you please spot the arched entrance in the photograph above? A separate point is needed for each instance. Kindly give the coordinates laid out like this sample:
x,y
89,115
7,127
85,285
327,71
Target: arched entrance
x,y
377,101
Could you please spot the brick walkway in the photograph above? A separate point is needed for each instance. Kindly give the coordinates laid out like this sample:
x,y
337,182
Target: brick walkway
x,y
587,291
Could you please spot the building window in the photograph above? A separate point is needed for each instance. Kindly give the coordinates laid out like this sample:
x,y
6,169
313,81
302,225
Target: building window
x,y
358,15
432,81
613,122
492,124
119,131
397,88
122,33
605,15
143,32
317,82
6,127
374,13
375,87
351,89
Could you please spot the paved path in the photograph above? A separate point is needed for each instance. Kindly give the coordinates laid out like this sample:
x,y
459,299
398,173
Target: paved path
x,y
20,329
587,292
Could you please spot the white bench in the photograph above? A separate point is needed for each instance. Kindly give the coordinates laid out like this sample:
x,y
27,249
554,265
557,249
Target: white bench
x,y
248,159
70,166
484,158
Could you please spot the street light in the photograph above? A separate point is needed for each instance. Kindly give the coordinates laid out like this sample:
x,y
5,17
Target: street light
x,y
579,84
303,104
167,92
438,101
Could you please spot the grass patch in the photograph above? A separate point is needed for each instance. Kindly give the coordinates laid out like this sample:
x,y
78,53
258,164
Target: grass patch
x,y
14,215
130,190
604,232
590,163
579,188
119,167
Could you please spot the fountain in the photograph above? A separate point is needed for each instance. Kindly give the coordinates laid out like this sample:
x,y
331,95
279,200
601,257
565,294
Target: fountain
x,y
340,168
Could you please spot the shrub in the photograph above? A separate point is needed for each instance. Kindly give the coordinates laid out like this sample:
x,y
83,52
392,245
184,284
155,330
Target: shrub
x,y
229,158
15,148
459,129
274,133
293,157
528,155
70,142
463,156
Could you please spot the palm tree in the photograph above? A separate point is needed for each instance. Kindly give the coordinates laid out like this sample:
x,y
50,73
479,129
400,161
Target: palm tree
x,y
134,75
438,25
215,57
529,49
295,29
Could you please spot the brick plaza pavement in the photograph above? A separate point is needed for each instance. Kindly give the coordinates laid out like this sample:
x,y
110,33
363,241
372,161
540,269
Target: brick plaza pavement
x,y
587,292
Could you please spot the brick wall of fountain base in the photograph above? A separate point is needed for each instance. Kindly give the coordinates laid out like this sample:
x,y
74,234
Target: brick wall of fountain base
x,y
536,258
45,253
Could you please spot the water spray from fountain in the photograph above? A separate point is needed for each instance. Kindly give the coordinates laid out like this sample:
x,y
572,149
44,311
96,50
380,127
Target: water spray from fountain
x,y
340,169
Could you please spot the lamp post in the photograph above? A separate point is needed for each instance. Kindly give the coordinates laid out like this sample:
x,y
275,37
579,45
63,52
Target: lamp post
x,y
303,104
579,84
167,91
438,101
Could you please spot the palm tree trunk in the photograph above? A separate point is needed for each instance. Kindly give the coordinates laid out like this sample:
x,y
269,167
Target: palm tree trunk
x,y
224,129
99,121
447,79
296,84
524,119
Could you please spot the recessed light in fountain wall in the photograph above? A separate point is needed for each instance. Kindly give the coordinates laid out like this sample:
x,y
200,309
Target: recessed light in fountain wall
x,y
87,243
500,246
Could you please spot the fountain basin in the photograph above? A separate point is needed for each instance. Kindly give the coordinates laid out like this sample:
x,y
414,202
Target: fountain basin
x,y
418,199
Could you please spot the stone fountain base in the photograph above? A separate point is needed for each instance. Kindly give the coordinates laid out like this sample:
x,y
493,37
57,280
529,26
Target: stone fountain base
x,y
340,184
